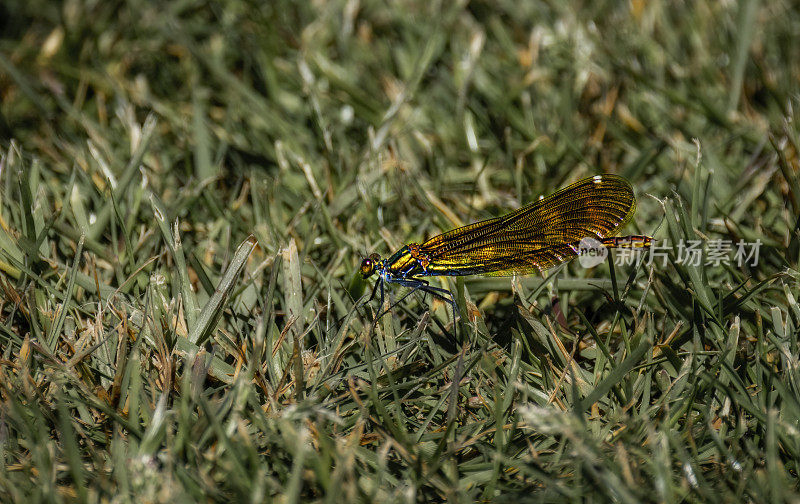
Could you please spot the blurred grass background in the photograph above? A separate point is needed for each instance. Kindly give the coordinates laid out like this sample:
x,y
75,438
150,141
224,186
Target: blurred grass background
x,y
188,188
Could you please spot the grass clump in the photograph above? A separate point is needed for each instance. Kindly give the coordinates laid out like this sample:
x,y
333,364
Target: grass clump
x,y
187,191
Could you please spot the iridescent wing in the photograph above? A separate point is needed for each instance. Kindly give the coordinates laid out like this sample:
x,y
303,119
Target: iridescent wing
x,y
536,237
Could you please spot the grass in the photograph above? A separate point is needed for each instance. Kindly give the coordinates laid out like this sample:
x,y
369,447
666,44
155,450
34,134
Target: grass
x,y
188,189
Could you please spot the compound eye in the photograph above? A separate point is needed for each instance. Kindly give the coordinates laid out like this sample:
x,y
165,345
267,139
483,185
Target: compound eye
x,y
367,267
370,264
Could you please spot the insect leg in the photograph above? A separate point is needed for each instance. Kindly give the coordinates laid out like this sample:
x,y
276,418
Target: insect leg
x,y
412,284
448,296
374,290
378,288
417,284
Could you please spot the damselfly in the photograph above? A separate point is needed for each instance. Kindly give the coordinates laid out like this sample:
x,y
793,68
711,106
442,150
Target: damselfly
x,y
538,236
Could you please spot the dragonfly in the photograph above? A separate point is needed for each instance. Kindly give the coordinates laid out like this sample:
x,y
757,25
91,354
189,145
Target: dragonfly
x,y
536,237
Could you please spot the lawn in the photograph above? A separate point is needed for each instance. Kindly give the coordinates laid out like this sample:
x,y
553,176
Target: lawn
x,y
187,190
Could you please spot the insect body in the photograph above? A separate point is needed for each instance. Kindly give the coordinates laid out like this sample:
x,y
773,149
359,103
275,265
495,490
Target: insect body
x,y
536,237
532,239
